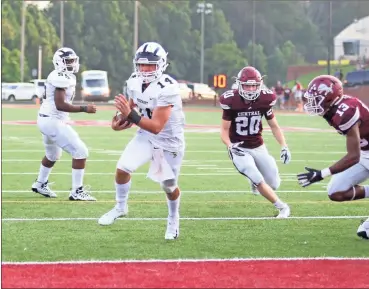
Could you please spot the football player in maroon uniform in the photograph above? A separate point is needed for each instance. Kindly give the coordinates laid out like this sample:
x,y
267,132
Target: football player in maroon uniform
x,y
350,117
243,109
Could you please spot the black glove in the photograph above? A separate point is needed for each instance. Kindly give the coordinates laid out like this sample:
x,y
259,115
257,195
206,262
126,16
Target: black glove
x,y
309,178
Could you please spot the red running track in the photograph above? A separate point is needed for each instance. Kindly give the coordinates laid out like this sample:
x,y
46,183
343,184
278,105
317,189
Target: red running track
x,y
201,274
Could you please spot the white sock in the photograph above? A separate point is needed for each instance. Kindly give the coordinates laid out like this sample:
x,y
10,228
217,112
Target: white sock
x,y
279,204
43,174
366,188
173,206
77,178
121,195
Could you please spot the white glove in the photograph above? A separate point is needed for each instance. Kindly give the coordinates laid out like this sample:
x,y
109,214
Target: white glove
x,y
234,149
285,155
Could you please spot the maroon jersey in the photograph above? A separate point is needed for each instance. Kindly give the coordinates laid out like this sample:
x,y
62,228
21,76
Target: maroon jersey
x,y
346,113
279,90
246,117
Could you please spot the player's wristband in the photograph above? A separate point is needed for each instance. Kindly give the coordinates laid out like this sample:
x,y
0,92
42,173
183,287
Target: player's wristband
x,y
326,172
83,108
134,117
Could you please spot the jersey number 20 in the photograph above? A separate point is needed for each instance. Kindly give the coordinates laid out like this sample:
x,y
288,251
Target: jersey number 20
x,y
248,125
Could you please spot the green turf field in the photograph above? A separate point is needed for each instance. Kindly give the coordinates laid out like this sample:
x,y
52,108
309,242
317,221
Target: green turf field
x,y
220,216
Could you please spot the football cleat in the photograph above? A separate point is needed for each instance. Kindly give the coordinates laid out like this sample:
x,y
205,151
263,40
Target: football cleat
x,y
81,194
284,212
43,189
363,230
172,232
110,217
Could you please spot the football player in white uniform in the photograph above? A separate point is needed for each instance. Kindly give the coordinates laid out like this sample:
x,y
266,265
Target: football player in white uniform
x,y
53,115
160,138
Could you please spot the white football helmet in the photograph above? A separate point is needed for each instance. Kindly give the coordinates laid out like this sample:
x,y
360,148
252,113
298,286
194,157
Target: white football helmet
x,y
66,60
151,53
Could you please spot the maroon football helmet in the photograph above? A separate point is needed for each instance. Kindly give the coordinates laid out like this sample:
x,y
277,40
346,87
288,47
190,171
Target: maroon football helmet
x,y
322,93
249,82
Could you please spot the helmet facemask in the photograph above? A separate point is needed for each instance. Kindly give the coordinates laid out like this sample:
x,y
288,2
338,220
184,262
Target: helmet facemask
x,y
252,90
149,59
314,104
71,64
66,61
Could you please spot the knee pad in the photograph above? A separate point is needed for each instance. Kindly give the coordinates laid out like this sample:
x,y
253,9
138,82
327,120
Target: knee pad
x,y
331,188
254,176
78,152
275,183
125,169
338,184
246,166
124,166
169,186
53,152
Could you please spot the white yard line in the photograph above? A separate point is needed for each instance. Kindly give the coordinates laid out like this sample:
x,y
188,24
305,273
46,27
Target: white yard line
x,y
267,259
183,192
229,174
187,151
115,160
185,218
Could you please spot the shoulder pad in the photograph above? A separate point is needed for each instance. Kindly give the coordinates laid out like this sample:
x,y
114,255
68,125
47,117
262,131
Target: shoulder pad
x,y
61,80
171,89
132,80
225,99
268,96
166,76
133,75
346,116
169,96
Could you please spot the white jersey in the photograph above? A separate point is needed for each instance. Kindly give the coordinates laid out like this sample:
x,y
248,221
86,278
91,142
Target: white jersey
x,y
161,92
58,80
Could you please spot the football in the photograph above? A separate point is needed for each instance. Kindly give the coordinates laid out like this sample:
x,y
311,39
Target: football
x,y
122,121
121,118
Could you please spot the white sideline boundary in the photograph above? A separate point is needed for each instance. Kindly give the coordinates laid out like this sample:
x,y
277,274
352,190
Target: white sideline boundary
x,y
185,219
281,259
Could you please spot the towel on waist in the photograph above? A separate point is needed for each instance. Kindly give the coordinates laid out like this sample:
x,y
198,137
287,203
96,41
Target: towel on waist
x,y
159,170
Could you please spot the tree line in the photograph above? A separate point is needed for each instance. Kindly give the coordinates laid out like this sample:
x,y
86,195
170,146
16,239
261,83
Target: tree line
x,y
101,32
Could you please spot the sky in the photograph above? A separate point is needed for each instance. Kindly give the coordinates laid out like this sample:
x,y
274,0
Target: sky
x,y
41,4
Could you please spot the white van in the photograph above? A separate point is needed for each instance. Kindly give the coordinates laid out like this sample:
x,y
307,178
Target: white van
x,y
95,85
40,86
19,91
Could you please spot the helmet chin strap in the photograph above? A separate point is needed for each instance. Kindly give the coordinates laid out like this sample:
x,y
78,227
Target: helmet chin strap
x,y
335,101
332,104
